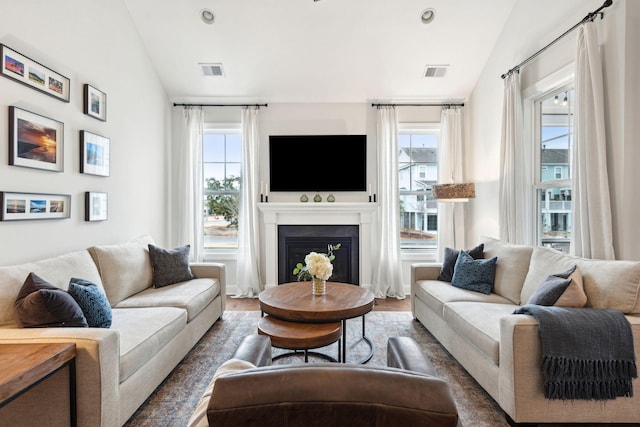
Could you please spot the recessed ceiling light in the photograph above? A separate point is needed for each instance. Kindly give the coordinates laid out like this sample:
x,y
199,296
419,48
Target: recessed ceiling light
x,y
207,16
428,15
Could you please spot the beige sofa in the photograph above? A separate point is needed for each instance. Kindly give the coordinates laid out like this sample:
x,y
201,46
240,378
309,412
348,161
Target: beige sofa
x,y
502,351
119,367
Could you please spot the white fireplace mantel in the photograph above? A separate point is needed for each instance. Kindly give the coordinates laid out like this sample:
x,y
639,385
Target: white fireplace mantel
x,y
275,214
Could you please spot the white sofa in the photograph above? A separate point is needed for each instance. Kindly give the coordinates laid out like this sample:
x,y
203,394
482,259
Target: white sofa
x,y
501,350
119,367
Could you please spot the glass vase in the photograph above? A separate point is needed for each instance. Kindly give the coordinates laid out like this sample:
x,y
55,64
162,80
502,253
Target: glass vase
x,y
318,286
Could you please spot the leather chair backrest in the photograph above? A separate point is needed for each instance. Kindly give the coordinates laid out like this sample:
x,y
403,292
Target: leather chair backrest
x,y
330,395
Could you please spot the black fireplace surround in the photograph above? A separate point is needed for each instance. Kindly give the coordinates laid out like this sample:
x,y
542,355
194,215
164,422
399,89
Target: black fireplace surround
x,y
296,241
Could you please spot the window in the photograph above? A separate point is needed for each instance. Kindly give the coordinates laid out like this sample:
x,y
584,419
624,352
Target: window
x,y
417,173
554,144
221,159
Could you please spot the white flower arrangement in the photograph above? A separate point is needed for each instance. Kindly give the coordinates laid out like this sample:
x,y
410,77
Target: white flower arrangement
x,y
316,265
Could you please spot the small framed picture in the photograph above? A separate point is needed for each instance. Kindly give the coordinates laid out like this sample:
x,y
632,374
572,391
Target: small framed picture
x,y
95,206
20,206
35,141
25,70
95,103
95,151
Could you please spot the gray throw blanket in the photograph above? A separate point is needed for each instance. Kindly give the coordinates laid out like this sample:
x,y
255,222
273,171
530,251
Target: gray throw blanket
x,y
586,353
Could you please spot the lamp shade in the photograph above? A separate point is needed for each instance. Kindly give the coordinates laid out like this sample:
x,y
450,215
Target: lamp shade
x,y
459,192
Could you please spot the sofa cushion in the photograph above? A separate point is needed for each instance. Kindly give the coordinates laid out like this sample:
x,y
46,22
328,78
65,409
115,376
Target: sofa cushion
x,y
479,323
169,266
450,258
474,274
607,283
144,332
41,305
435,294
511,268
92,301
192,295
57,270
125,268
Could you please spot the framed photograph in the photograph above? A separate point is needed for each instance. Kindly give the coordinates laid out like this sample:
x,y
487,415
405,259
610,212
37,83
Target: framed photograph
x,y
25,70
19,206
95,103
94,153
95,206
35,141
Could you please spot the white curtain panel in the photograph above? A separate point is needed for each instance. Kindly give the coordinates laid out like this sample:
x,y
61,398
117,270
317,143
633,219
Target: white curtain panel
x,y
515,192
248,276
450,170
189,224
592,235
387,274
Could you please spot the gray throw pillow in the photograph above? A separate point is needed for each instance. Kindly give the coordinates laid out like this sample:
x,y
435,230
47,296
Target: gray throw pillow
x,y
41,305
552,288
92,301
450,258
170,266
475,275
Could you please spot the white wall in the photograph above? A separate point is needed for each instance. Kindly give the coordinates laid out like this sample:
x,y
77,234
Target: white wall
x,y
89,42
531,26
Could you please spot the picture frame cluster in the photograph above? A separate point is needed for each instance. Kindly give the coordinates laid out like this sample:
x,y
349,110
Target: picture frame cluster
x,y
37,141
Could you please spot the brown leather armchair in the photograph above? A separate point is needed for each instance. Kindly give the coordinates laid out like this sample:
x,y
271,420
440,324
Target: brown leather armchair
x,y
406,393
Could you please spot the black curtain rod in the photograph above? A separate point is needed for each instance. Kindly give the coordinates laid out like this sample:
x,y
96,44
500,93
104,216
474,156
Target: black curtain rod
x,y
590,17
220,105
418,105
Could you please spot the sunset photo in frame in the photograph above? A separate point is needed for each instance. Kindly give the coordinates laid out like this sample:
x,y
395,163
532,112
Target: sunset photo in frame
x,y
95,152
22,206
35,141
95,206
25,70
95,103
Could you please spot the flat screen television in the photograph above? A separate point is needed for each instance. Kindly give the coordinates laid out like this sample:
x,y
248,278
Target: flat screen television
x,y
313,163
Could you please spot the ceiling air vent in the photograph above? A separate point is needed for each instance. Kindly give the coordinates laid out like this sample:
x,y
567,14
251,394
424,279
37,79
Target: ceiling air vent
x,y
212,69
436,70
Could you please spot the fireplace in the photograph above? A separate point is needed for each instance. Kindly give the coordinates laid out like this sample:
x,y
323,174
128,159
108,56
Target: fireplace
x,y
296,241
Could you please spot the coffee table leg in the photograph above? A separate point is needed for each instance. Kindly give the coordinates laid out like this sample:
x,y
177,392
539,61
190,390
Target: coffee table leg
x,y
344,341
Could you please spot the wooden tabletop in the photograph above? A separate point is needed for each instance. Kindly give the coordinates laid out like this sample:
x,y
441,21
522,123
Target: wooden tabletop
x,y
294,302
25,364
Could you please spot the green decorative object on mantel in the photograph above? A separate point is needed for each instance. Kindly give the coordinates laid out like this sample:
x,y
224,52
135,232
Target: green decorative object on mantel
x,y
317,198
331,198
304,198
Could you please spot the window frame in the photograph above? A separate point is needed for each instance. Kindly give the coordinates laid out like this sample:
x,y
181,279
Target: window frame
x,y
538,185
219,253
418,128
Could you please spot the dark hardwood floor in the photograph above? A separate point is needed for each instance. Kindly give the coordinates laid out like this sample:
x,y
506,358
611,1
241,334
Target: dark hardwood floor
x,y
381,304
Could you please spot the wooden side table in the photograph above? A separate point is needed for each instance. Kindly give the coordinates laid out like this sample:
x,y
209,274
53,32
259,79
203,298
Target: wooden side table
x,y
26,365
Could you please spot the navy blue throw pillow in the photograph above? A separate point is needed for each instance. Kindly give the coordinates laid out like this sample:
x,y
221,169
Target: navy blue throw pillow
x,y
450,258
92,301
474,274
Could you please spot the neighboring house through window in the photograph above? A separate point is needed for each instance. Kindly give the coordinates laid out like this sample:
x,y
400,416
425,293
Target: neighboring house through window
x,y
554,145
221,158
417,173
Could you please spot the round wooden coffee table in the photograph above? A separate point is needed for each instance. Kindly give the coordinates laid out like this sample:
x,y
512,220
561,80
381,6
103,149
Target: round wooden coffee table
x,y
294,302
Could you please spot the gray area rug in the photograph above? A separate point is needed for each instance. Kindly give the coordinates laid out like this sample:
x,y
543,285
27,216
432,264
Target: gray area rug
x,y
174,401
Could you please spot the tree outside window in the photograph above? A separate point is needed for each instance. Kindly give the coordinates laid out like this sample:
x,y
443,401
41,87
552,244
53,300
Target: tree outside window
x,y
221,154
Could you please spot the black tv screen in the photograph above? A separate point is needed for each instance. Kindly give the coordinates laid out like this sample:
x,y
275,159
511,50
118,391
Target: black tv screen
x,y
312,163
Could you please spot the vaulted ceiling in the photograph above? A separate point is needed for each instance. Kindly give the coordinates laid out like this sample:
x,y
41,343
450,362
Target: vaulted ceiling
x,y
319,51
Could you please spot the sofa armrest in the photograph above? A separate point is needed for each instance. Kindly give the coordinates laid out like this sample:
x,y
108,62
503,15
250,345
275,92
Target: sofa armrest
x,y
255,349
97,367
214,270
425,271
